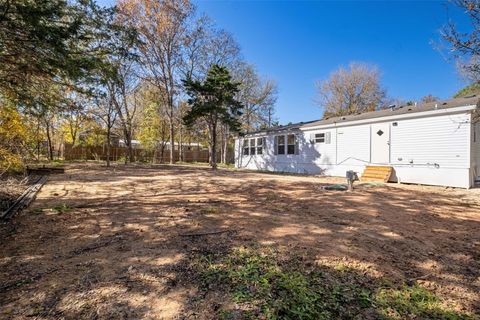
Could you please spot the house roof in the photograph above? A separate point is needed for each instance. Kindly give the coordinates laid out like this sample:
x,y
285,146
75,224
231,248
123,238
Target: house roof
x,y
287,127
400,110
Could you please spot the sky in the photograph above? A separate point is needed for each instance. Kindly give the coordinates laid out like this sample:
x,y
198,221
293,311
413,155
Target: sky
x,y
297,43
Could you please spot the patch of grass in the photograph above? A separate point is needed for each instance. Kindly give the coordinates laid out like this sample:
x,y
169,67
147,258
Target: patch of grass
x,y
208,210
36,211
413,302
342,267
260,284
57,161
121,159
273,290
62,208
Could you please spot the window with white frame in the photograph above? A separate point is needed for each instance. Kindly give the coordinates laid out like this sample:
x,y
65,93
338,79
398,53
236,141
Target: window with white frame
x,y
319,137
245,147
252,147
259,145
291,144
280,141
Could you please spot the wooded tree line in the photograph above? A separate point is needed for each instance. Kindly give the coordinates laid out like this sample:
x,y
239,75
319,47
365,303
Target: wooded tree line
x,y
73,71
159,72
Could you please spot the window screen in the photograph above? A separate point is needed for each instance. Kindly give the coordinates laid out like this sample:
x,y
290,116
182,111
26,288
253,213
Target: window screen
x,y
252,146
291,144
280,144
320,138
245,147
259,145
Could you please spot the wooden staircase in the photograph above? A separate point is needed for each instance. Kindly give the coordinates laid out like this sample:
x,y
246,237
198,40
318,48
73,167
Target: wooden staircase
x,y
377,173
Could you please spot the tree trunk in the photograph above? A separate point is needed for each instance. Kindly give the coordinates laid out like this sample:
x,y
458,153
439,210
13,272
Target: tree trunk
x,y
225,146
130,150
73,133
108,145
222,135
128,145
154,156
49,141
213,146
180,144
269,117
162,152
38,139
172,139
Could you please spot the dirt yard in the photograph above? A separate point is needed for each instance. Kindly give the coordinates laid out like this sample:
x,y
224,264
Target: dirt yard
x,y
119,243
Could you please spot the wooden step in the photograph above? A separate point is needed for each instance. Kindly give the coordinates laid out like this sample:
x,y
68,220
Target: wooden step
x,y
376,173
373,176
379,168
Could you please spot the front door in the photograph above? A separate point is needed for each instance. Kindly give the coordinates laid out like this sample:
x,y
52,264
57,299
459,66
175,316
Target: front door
x,y
380,143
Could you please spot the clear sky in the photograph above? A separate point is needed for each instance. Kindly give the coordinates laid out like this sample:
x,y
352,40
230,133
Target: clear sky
x,y
297,43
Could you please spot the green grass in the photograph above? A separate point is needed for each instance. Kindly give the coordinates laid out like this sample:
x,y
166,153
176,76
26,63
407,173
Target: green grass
x,y
47,163
36,211
263,285
62,208
413,302
208,210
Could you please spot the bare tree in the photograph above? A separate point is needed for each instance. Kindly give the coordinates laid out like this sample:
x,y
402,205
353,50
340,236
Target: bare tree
x,y
75,114
74,119
122,90
465,46
48,121
258,97
351,91
429,98
163,28
105,111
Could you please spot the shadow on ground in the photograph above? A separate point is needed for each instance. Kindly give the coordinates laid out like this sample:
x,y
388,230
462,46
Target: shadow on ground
x,y
119,243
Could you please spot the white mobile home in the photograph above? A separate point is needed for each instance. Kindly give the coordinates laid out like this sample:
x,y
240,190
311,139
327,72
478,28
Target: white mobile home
x,y
436,144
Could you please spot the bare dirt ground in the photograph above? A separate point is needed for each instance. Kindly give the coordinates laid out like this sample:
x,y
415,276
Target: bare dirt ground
x,y
114,243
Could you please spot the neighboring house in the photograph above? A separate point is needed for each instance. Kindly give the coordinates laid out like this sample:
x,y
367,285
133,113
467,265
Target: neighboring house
x,y
136,144
193,146
435,143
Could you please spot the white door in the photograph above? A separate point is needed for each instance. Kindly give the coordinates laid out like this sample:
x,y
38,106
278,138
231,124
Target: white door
x,y
380,143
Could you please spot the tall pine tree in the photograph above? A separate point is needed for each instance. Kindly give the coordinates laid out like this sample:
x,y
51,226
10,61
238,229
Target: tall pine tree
x,y
213,102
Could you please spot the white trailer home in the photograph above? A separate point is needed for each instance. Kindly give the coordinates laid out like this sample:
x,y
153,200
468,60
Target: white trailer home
x,y
435,144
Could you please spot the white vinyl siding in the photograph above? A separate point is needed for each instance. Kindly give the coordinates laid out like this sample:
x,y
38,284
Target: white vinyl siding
x,y
476,151
442,140
437,150
353,144
320,153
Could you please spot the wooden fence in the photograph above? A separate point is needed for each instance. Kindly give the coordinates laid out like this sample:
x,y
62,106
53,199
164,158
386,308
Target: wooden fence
x,y
140,155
